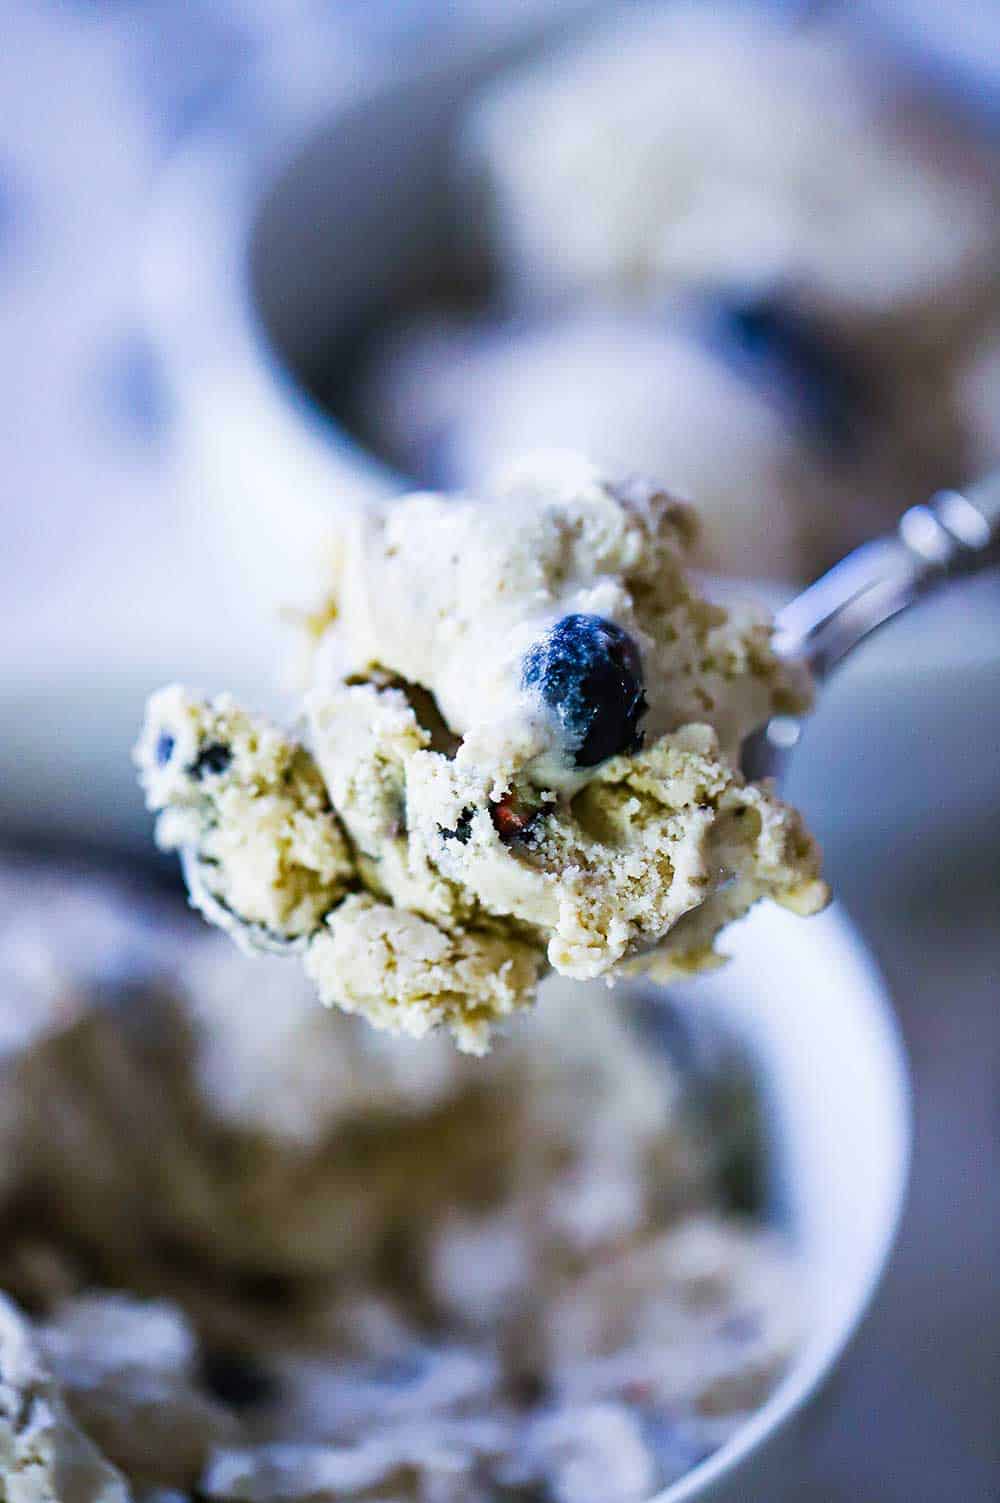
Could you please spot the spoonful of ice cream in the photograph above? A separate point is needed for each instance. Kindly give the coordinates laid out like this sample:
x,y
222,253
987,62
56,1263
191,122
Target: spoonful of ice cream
x,y
520,749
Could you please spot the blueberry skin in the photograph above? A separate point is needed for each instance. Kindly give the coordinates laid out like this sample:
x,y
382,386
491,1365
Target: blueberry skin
x,y
165,744
588,671
214,759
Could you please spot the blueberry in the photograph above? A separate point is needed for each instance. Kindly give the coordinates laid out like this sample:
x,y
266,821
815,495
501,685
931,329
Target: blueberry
x,y
165,744
463,827
589,672
784,348
213,758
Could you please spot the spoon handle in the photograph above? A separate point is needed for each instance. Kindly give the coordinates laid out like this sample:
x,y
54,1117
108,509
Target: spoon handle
x,y
955,533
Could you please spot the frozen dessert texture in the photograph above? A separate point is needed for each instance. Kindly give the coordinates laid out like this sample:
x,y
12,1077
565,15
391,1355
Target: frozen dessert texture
x,y
780,154
247,799
128,1370
732,248
407,974
521,737
44,1456
268,1251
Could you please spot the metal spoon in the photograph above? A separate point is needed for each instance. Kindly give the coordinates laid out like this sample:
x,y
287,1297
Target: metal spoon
x,y
955,533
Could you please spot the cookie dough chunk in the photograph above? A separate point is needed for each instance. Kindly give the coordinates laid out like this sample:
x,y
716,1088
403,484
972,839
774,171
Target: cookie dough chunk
x,y
659,849
578,783
527,720
44,1457
268,857
404,973
267,860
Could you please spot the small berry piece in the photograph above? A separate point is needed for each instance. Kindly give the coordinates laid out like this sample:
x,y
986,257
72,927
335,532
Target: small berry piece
x,y
588,671
165,744
214,758
463,827
512,817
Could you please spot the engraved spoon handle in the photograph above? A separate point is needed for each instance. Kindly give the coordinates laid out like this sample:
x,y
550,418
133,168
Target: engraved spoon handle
x,y
954,533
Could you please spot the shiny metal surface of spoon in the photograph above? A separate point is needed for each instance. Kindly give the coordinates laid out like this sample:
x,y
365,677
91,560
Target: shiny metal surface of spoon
x,y
953,534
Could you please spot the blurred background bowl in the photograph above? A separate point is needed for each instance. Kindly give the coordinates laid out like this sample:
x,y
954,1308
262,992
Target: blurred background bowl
x,y
814,1014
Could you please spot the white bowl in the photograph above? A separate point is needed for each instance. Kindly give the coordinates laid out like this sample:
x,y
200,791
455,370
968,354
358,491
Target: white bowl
x,y
812,1008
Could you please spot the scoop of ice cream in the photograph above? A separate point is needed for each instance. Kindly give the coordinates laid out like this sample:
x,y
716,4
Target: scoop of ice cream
x,y
685,147
523,729
460,594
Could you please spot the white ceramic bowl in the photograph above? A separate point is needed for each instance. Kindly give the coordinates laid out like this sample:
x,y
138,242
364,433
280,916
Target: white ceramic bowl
x,y
290,251
813,1010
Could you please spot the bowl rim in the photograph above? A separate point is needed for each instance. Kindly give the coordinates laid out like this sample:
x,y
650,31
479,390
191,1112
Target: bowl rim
x,y
809,1371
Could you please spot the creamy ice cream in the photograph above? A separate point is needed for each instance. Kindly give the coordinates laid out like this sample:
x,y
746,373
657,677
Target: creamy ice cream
x,y
684,147
261,1251
739,251
523,726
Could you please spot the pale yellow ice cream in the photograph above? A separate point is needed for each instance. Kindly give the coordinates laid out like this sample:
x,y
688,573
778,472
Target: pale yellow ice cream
x,y
521,739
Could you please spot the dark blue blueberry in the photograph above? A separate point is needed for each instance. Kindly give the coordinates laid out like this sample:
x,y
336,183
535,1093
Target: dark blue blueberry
x,y
213,758
463,828
165,744
787,351
588,671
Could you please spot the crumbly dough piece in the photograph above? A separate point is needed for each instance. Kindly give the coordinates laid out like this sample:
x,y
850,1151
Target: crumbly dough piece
x,y
527,720
404,973
246,799
44,1456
